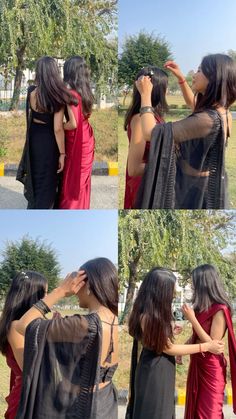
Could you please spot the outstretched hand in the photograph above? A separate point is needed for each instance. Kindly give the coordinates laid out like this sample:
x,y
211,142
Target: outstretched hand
x,y
73,283
174,68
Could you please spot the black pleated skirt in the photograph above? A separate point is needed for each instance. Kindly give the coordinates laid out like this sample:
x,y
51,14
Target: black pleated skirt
x,y
154,392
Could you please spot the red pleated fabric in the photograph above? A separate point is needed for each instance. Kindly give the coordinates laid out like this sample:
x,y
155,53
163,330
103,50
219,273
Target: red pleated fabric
x,y
207,373
13,398
76,183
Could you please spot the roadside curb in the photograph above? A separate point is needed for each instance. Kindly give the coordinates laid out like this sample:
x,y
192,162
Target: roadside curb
x,y
99,169
180,396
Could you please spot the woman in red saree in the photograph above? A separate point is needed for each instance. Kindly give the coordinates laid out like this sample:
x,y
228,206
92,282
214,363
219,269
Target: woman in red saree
x,y
76,181
138,147
210,319
26,289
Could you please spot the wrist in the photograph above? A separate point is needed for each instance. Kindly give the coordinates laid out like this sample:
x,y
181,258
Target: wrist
x,y
57,294
204,346
146,100
180,77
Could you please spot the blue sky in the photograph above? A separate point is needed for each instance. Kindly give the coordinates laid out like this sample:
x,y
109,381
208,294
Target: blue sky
x,y
192,28
77,236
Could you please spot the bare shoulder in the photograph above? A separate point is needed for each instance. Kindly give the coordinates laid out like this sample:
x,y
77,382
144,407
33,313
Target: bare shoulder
x,y
219,316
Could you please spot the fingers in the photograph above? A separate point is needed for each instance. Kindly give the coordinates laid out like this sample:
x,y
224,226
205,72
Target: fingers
x,y
170,64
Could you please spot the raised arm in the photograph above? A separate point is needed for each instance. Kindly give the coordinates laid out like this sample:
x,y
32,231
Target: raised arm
x,y
68,287
187,92
136,148
148,121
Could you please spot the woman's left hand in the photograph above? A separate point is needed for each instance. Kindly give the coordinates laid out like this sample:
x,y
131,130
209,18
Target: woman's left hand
x,y
144,86
61,163
188,313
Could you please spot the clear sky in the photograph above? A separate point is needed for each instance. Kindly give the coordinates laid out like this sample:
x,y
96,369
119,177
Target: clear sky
x,y
192,28
77,236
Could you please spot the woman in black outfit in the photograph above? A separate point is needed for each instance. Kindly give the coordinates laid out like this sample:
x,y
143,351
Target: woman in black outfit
x,y
186,167
151,325
69,362
44,151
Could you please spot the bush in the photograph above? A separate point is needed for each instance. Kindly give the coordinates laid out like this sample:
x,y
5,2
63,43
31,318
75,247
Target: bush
x,y
173,106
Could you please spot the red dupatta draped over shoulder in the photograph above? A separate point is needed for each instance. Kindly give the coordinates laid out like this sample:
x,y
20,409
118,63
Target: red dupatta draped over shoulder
x,y
76,182
206,373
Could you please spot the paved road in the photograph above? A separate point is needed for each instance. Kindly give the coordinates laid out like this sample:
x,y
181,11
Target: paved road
x,y
104,193
228,412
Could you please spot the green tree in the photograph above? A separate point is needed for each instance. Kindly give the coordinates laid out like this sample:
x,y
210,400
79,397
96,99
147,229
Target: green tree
x,y
232,54
139,51
28,254
180,240
59,28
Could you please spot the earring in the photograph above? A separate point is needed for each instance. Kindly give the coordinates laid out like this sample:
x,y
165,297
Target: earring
x,y
88,291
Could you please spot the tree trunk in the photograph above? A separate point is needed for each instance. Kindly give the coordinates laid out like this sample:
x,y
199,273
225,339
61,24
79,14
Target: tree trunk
x,y
130,291
124,98
18,79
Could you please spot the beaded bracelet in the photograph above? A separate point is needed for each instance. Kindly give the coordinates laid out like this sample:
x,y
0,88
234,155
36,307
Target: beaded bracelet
x,y
42,307
146,109
182,81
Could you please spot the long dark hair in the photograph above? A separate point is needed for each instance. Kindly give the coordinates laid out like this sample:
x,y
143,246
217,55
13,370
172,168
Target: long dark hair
x,y
207,288
77,76
103,282
159,80
150,319
26,289
220,70
51,93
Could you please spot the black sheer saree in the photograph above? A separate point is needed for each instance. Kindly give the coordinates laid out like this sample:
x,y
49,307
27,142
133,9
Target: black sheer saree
x,y
62,371
199,177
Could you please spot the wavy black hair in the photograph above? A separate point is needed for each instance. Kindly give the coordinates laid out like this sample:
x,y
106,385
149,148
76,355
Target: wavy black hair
x,y
26,289
103,282
151,316
77,76
51,93
220,70
207,288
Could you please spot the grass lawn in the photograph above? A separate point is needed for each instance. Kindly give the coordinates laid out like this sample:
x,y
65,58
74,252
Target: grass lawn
x,y
104,122
123,150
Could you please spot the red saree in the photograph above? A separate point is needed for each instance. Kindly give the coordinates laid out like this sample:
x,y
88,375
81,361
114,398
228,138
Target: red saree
x,y
132,183
76,182
207,373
